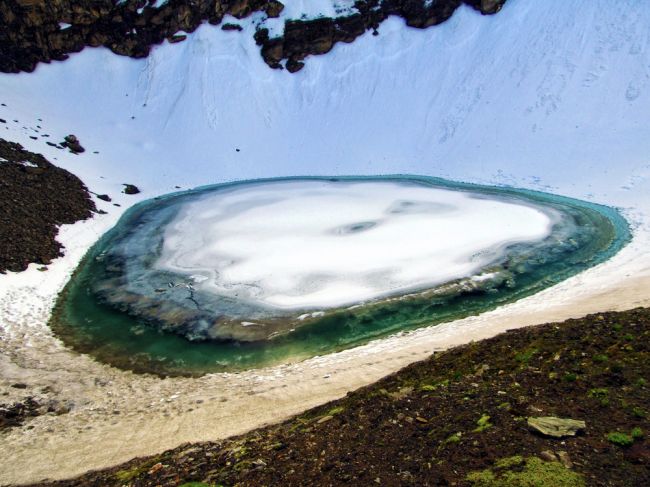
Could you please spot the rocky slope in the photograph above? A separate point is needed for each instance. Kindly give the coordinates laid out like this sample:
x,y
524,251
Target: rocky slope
x,y
34,31
468,416
318,36
36,197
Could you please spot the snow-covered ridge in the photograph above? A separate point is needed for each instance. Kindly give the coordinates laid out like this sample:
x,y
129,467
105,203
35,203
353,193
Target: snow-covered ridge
x,y
547,98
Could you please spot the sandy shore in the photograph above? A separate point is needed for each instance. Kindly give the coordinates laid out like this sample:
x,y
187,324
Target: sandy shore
x,y
117,415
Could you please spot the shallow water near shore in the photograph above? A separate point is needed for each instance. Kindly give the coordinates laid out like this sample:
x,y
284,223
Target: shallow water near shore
x,y
136,338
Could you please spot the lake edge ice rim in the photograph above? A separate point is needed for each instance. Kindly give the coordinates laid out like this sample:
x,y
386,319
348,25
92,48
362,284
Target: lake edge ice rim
x,y
35,31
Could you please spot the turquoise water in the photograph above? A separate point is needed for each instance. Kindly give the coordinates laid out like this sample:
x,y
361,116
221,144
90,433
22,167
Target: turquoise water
x,y
116,334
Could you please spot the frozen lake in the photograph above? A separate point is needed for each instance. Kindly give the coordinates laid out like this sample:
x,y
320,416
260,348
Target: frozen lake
x,y
256,272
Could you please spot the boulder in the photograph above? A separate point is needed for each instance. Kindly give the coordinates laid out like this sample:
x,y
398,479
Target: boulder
x,y
273,9
130,189
73,144
556,427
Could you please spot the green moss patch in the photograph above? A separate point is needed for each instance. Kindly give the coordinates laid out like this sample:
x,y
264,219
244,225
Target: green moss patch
x,y
530,472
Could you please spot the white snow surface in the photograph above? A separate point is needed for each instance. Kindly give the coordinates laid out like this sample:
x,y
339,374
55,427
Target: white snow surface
x,y
317,244
309,9
550,95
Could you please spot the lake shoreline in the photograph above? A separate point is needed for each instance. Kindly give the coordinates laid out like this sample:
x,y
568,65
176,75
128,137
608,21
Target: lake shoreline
x,y
135,326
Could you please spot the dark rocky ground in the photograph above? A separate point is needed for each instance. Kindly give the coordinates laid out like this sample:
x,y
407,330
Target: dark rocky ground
x,y
30,30
35,197
17,413
458,418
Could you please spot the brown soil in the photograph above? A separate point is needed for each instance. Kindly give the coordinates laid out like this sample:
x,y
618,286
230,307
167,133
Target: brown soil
x,y
36,197
458,412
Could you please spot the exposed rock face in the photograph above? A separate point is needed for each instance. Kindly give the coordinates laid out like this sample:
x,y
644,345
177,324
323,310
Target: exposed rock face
x,y
318,36
33,31
486,6
35,197
16,413
273,9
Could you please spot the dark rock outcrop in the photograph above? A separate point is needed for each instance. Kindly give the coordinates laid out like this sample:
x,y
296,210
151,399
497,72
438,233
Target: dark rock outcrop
x,y
34,31
73,144
236,27
318,36
273,9
130,189
36,197
17,413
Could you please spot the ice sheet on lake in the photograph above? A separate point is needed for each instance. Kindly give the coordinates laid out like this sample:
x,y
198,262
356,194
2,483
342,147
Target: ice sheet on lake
x,y
317,244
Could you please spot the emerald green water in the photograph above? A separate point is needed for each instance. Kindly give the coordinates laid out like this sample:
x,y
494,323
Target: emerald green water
x,y
113,336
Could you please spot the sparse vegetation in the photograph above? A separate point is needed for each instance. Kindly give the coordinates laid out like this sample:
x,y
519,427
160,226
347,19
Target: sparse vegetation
x,y
620,439
531,472
525,356
455,438
483,423
570,377
135,471
335,410
601,394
